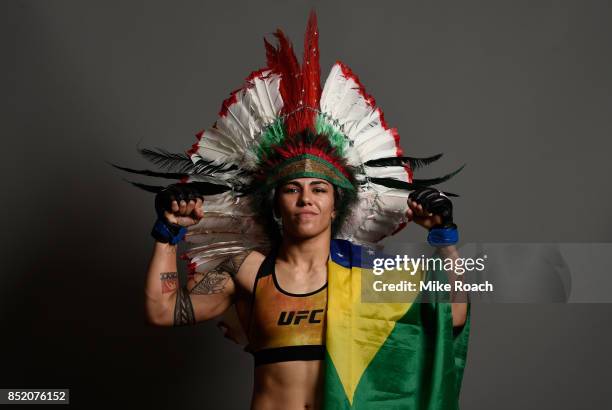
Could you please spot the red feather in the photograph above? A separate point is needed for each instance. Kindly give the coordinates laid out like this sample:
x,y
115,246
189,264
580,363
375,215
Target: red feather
x,y
299,86
311,70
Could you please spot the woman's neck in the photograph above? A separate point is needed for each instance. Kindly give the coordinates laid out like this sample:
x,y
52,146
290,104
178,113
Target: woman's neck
x,y
305,254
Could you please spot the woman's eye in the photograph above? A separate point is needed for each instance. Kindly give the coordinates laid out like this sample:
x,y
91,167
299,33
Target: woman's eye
x,y
320,190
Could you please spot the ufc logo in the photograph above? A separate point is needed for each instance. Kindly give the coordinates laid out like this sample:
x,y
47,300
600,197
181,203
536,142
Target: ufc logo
x,y
292,317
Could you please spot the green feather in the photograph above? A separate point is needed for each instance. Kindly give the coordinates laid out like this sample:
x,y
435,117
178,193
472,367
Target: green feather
x,y
273,135
336,138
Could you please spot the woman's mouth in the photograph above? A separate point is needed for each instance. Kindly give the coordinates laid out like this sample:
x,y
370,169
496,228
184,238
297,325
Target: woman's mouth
x,y
306,215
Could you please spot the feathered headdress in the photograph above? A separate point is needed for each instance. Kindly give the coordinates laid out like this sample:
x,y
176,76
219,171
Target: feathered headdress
x,y
278,126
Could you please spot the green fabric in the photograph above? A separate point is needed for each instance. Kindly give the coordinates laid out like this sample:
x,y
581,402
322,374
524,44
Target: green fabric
x,y
420,365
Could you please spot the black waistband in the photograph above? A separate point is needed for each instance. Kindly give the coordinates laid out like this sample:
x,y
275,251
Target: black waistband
x,y
289,353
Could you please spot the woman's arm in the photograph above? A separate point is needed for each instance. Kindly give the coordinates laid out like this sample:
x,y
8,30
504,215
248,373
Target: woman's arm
x,y
429,208
205,295
161,284
459,309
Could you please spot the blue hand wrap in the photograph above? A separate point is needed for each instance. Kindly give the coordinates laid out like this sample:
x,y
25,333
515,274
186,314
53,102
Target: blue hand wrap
x,y
168,234
443,236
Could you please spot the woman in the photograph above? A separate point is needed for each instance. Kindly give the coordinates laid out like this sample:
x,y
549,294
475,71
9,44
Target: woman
x,y
306,206
285,170
290,376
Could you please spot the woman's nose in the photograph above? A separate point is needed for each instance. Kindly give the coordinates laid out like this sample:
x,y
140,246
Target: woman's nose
x,y
305,198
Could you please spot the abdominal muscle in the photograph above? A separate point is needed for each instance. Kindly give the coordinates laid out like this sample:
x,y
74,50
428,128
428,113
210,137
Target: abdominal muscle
x,y
294,385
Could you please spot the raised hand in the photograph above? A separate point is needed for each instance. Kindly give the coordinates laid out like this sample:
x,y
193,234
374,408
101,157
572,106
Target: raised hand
x,y
180,204
430,208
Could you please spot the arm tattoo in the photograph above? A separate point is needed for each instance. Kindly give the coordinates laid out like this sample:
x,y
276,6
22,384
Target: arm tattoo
x,y
212,282
233,263
169,281
215,280
183,309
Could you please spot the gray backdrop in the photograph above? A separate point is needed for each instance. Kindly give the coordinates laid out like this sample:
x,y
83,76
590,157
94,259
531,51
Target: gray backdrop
x,y
519,90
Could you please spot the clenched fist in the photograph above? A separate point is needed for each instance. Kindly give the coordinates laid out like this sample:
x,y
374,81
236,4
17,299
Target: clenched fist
x,y
430,208
180,204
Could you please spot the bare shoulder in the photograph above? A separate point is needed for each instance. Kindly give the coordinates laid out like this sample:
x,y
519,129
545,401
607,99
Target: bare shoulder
x,y
252,260
250,263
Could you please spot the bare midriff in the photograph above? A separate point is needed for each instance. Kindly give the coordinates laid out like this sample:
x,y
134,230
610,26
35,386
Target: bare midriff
x,y
293,385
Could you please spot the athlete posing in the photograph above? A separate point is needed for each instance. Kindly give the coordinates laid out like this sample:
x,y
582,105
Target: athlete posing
x,y
280,297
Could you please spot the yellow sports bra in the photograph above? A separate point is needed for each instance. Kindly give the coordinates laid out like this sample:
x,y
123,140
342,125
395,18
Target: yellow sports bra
x,y
285,326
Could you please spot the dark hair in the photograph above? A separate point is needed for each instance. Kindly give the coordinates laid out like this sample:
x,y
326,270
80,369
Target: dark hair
x,y
344,200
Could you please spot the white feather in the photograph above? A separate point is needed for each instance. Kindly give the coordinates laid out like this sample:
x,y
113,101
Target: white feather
x,y
228,227
380,210
233,136
361,122
387,172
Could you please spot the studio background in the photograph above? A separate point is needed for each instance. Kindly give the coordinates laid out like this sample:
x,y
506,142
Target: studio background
x,y
519,90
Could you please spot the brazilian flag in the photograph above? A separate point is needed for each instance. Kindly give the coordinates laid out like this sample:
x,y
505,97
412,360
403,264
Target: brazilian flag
x,y
383,356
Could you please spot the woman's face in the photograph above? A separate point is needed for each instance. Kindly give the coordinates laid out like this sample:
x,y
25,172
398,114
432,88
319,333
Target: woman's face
x,y
306,206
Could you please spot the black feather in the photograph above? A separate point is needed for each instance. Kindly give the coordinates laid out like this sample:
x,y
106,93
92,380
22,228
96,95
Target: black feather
x,y
402,161
406,186
205,188
208,188
148,188
394,183
206,167
167,175
168,160
439,180
183,163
